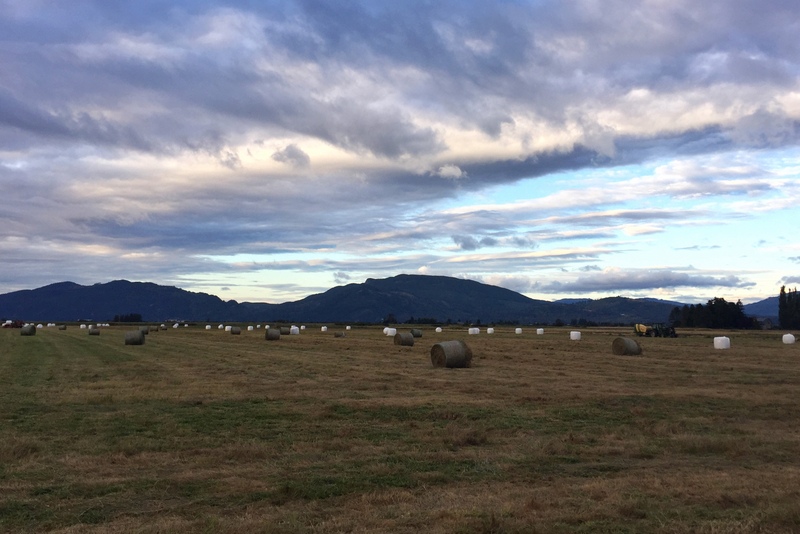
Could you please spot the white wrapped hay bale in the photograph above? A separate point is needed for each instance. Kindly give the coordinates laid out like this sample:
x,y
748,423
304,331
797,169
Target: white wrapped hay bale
x,y
208,327
540,331
722,343
438,329
250,328
788,339
490,330
575,335
323,329
474,331
294,331
228,328
518,331
390,332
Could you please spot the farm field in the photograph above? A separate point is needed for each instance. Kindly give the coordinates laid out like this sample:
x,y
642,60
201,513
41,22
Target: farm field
x,y
203,431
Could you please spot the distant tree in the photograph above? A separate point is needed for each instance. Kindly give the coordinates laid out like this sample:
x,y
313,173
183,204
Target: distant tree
x,y
128,318
789,308
390,319
717,313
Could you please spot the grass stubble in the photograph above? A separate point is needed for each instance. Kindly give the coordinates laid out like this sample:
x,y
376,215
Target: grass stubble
x,y
201,431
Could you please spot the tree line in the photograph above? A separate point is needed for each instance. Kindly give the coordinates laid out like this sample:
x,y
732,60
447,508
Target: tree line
x,y
789,308
717,313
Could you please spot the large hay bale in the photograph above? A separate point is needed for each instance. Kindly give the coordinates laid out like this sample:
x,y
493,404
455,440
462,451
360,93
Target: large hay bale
x,y
235,330
404,339
451,354
94,331
625,346
286,330
135,338
272,334
338,334
144,330
62,327
416,332
28,330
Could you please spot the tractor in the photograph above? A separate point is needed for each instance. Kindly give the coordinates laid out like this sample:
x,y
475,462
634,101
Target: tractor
x,y
656,330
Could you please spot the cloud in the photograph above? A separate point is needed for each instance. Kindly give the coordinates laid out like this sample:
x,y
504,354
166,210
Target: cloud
x,y
292,155
611,280
451,172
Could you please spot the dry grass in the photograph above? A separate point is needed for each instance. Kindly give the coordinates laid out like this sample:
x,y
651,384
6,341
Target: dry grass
x,y
201,431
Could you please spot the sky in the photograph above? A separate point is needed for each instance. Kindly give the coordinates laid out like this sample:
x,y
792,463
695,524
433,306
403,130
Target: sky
x,y
266,151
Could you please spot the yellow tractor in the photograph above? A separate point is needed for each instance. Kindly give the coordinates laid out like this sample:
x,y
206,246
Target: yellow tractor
x,y
656,330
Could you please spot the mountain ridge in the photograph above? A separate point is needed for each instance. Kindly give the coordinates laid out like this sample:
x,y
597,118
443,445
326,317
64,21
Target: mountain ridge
x,y
400,297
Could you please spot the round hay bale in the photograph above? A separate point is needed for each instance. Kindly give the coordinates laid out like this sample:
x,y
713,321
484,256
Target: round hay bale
x,y
722,342
404,339
235,330
323,329
490,330
286,330
474,331
294,331
347,327
451,354
625,346
62,327
390,332
338,334
540,331
518,331
94,331
416,332
272,334
162,327
208,327
135,338
788,339
144,330
250,328
438,329
28,330
575,335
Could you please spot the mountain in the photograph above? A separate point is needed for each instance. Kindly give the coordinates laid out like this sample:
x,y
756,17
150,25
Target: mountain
x,y
767,308
404,296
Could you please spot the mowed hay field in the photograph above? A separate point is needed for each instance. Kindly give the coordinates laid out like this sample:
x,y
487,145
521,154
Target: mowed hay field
x,y
203,431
